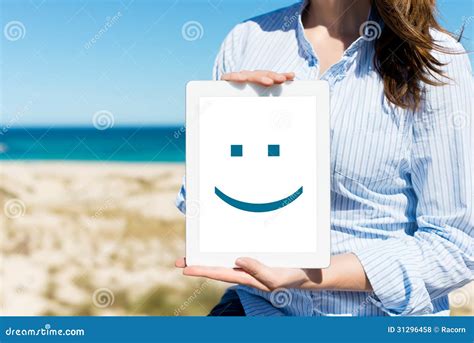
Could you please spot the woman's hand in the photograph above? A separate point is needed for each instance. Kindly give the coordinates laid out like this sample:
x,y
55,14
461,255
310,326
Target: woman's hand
x,y
345,273
259,77
252,273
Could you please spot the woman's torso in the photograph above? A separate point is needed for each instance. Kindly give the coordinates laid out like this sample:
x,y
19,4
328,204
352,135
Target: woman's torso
x,y
372,196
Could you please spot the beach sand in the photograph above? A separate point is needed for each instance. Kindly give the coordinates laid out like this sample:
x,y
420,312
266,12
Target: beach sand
x,y
101,239
95,239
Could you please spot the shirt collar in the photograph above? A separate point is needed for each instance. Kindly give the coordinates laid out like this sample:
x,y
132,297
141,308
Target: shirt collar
x,y
306,50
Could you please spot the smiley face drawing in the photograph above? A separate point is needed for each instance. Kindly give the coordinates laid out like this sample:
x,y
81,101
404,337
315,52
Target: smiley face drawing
x,y
273,151
257,174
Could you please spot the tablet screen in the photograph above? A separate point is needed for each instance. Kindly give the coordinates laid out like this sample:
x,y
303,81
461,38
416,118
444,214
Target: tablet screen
x,y
258,174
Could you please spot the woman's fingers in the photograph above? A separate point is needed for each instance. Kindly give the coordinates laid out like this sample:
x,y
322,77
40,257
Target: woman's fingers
x,y
260,77
276,77
273,278
236,77
253,273
224,274
180,262
249,272
289,76
259,271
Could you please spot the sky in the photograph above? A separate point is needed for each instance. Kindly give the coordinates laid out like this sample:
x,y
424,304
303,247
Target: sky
x,y
63,61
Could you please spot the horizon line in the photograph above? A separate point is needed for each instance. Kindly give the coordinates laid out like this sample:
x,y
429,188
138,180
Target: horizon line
x,y
85,126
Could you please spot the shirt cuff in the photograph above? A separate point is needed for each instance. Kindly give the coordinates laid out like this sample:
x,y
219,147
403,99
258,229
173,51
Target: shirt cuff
x,y
392,269
180,201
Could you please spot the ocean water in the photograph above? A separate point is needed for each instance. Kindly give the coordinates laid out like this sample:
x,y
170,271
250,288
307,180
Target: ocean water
x,y
126,144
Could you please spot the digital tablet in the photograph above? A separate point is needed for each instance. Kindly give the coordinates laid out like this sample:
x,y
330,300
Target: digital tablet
x,y
258,173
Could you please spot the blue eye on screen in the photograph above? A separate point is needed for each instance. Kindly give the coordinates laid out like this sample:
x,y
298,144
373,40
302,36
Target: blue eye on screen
x,y
273,149
236,150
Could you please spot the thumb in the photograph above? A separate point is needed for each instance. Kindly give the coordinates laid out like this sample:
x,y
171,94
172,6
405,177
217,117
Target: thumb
x,y
258,270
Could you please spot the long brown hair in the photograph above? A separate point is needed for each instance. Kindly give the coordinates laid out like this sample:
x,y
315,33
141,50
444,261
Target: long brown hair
x,y
404,51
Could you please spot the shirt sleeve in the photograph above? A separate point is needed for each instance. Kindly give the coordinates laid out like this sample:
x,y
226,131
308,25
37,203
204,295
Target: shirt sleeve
x,y
229,52
408,273
180,201
225,62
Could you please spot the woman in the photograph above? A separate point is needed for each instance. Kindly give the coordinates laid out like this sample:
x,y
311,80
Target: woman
x,y
402,157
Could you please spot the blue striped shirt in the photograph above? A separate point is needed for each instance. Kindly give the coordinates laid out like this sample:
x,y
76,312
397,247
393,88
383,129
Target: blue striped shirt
x,y
402,181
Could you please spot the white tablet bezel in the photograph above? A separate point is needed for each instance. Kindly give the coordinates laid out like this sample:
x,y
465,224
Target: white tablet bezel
x,y
197,89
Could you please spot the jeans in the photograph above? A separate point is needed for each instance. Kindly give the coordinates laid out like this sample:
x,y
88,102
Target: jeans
x,y
229,305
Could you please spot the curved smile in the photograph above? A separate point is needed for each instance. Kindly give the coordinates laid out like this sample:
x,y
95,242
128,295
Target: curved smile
x,y
262,207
